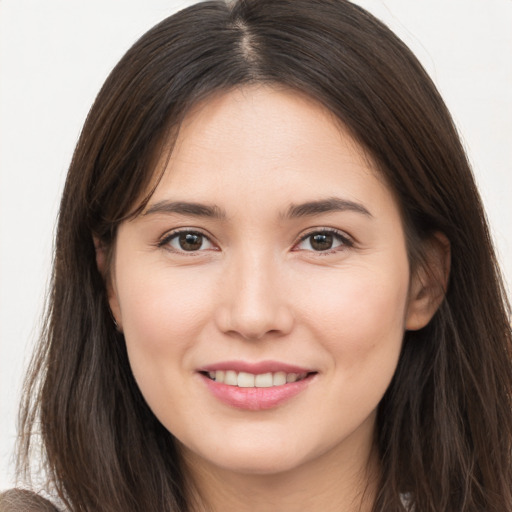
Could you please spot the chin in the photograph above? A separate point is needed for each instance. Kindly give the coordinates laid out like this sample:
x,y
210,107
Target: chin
x,y
259,464
248,458
269,461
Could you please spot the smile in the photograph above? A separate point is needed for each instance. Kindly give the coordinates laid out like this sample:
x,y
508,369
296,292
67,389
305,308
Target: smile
x,y
250,380
256,386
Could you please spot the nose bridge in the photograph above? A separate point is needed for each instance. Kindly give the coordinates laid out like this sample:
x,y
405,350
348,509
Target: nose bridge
x,y
255,304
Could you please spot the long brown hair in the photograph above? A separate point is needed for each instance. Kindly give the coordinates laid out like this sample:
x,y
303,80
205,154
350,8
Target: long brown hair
x,y
444,428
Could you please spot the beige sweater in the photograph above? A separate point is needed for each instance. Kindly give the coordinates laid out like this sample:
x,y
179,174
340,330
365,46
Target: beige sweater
x,y
19,500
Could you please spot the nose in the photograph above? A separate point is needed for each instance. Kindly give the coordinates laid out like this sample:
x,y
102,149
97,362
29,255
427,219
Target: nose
x,y
255,303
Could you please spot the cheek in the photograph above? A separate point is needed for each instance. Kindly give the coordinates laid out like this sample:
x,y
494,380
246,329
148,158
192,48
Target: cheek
x,y
360,315
361,325
162,314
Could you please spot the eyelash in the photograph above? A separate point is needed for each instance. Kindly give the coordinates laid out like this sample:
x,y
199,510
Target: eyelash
x,y
168,238
345,241
342,238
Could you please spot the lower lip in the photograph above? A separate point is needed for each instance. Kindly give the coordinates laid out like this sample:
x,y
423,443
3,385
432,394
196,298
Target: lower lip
x,y
256,399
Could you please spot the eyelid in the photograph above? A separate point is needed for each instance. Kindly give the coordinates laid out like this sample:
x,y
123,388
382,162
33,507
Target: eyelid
x,y
347,240
164,240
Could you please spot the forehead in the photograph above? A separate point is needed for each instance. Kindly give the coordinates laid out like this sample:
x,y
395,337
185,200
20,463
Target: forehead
x,y
264,126
262,143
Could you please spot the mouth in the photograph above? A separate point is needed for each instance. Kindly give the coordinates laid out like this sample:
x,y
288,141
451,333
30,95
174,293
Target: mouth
x,y
251,380
256,387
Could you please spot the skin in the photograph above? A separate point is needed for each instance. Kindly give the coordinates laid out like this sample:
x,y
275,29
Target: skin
x,y
258,290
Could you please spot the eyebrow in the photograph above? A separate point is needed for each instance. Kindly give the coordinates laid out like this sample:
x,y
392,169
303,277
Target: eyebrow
x,y
309,209
187,208
331,204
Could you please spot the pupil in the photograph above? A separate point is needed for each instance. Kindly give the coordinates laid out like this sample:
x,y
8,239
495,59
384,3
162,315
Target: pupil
x,y
190,241
321,241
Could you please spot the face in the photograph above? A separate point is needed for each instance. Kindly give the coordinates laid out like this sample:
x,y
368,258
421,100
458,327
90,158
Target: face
x,y
265,290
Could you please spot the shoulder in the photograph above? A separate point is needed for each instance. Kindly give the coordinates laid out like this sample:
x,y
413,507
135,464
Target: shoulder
x,y
20,500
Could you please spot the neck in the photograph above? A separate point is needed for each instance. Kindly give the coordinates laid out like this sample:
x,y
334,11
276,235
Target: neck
x,y
328,483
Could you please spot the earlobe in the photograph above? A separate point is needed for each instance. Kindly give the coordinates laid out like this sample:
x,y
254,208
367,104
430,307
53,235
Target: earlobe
x,y
115,310
429,282
101,259
101,263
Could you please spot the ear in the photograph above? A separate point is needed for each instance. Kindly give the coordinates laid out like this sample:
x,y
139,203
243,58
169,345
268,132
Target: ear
x,y
101,258
101,263
429,282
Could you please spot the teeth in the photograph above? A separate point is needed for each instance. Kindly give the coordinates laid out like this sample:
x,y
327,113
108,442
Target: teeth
x,y
230,378
263,380
245,380
279,378
249,380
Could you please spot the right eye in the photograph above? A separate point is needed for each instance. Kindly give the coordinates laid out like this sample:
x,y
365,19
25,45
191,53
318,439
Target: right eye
x,y
324,241
187,241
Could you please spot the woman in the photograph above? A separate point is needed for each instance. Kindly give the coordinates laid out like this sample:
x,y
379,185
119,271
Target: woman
x,y
274,287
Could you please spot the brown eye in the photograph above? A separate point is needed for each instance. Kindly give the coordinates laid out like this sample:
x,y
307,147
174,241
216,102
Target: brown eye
x,y
321,241
324,241
190,241
187,241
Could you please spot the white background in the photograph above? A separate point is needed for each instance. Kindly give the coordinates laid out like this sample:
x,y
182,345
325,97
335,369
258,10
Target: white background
x,y
54,56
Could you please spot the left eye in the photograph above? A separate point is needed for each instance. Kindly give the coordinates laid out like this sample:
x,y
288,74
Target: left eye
x,y
188,241
322,241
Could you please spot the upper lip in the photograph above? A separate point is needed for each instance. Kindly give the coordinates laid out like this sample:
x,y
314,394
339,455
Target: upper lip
x,y
255,368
